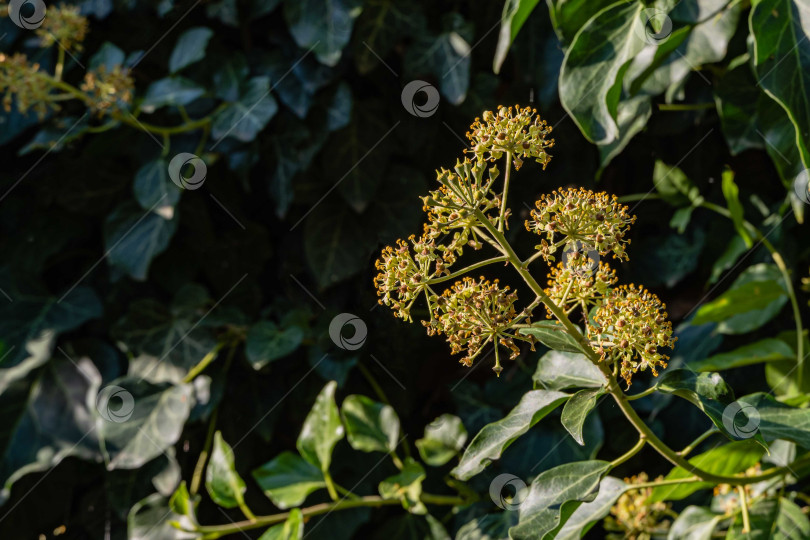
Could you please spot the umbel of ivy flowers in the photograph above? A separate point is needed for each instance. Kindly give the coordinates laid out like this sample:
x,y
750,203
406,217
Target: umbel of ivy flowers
x,y
626,326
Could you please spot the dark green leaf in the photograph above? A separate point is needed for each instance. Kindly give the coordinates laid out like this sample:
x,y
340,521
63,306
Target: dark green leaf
x,y
443,439
772,519
154,190
322,429
323,27
190,48
732,194
267,342
494,438
560,370
674,186
244,119
108,55
568,16
223,483
287,479
589,513
694,523
292,529
406,486
515,13
777,420
553,335
133,237
576,411
370,426
555,495
176,91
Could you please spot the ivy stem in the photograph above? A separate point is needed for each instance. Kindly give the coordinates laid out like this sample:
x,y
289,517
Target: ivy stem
x,y
630,453
667,482
640,395
373,501
200,467
744,505
686,106
330,485
686,451
60,64
506,176
207,359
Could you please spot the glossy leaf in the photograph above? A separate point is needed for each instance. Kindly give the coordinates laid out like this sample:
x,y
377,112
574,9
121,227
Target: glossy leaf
x,y
561,370
772,519
323,27
576,410
223,483
552,335
292,529
732,194
443,439
287,479
322,429
154,190
267,342
245,118
589,513
694,523
133,237
515,13
777,420
494,438
406,486
370,426
764,350
190,48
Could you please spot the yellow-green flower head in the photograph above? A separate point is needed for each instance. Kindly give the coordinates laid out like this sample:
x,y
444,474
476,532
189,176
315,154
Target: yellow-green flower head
x,y
404,274
634,516
515,130
451,207
577,282
108,89
64,25
580,215
473,313
631,327
21,80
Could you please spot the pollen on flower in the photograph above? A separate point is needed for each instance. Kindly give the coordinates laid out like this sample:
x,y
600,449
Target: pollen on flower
x,y
576,282
519,131
631,327
580,215
472,313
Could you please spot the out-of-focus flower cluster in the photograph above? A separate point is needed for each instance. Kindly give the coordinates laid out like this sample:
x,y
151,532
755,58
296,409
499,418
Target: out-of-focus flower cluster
x,y
108,88
65,26
451,207
727,498
23,81
631,327
580,215
633,517
472,313
404,275
576,282
518,131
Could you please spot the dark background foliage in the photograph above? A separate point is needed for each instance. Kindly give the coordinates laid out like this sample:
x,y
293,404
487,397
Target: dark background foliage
x,y
283,236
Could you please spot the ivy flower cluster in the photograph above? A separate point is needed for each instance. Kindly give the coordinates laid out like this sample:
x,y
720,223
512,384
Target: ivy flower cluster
x,y
23,81
404,275
634,517
472,313
451,207
108,89
63,25
632,327
580,215
576,282
518,131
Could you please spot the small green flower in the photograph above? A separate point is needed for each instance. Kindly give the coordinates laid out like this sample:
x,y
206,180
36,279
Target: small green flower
x,y
109,89
23,81
518,131
631,327
634,517
65,26
580,215
576,282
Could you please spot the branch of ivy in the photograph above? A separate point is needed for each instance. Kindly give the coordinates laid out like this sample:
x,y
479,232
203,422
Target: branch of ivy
x,y
372,501
506,177
470,268
196,477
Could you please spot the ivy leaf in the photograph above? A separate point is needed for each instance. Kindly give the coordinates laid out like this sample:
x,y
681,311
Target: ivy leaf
x,y
183,504
292,529
725,460
764,350
553,335
406,486
568,16
674,186
494,438
777,420
322,429
158,414
379,28
266,342
576,411
323,27
370,426
732,194
589,513
738,96
443,439
108,55
694,523
190,48
133,237
754,298
287,479
151,518
154,190
780,30
594,66
488,527
223,483
174,91
555,495
772,519
515,13
244,119
561,370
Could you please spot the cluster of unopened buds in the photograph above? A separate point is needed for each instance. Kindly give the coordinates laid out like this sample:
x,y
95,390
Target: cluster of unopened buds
x,y
626,325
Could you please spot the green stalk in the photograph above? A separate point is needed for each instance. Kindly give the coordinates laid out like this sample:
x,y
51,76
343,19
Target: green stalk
x,y
506,177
